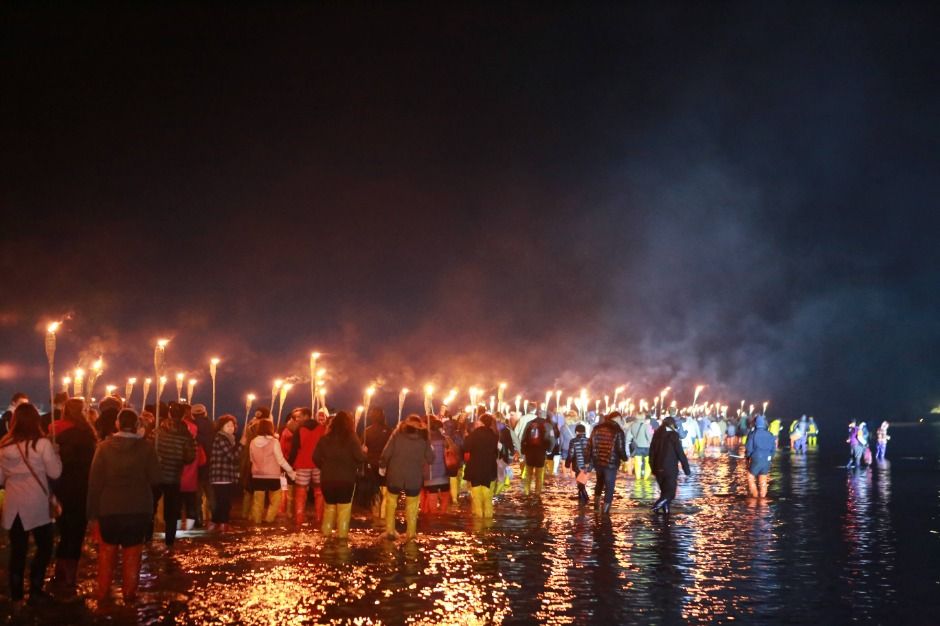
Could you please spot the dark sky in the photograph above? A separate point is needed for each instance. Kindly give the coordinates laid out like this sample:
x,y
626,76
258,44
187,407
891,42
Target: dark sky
x,y
739,195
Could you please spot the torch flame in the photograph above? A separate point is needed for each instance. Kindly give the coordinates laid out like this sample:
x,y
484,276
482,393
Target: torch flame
x,y
51,328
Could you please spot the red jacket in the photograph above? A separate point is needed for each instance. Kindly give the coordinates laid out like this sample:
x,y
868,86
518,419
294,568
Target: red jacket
x,y
304,443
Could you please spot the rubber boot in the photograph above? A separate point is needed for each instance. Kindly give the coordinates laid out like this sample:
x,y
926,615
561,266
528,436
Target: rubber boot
x,y
476,501
247,501
383,502
130,568
257,506
343,515
539,479
424,502
445,501
751,485
527,480
454,489
318,504
638,466
597,503
300,505
390,510
329,519
763,481
411,516
486,497
107,555
274,506
646,463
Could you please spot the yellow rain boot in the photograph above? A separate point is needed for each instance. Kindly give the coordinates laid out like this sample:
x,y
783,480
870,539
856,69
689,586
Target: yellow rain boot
x,y
476,501
763,481
649,470
539,479
527,479
486,497
329,519
454,490
257,506
751,485
343,515
411,516
638,466
390,510
274,506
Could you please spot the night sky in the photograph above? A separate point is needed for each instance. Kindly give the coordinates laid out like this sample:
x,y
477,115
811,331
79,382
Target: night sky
x,y
744,196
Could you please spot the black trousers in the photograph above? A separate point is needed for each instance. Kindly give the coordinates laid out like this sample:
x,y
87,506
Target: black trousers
x,y
72,525
19,543
667,485
171,509
222,507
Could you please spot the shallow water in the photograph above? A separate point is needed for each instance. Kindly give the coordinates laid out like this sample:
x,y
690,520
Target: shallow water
x,y
829,546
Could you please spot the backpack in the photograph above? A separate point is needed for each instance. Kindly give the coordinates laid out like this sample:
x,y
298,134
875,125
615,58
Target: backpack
x,y
535,435
451,455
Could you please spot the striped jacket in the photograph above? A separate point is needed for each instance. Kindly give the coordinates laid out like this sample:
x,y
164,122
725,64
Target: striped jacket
x,y
174,449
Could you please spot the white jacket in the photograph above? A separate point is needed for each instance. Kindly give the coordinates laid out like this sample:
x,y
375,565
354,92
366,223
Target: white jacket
x,y
24,495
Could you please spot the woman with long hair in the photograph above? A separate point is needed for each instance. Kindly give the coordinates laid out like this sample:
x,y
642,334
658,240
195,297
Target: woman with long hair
x,y
77,441
120,500
338,455
403,458
267,461
27,462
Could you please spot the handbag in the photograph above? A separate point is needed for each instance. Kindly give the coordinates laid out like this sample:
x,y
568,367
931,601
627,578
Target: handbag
x,y
55,509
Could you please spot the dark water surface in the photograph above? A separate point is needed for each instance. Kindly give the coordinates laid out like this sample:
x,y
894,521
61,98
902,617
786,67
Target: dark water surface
x,y
830,546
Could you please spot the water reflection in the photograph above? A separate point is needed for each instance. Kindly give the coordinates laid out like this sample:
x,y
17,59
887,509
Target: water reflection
x,y
823,547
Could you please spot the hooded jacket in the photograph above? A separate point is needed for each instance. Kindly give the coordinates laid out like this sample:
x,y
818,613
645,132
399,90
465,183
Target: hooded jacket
x,y
666,453
760,447
122,475
482,446
267,460
404,457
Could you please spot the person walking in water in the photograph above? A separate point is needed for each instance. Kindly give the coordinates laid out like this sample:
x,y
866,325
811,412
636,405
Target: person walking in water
x,y
882,438
403,459
759,451
607,452
577,460
665,456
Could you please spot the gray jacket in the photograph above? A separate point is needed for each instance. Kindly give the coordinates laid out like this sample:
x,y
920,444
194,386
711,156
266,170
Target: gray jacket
x,y
404,457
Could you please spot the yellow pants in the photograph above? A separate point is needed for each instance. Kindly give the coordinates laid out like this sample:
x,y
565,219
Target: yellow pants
x,y
641,466
539,474
257,506
482,501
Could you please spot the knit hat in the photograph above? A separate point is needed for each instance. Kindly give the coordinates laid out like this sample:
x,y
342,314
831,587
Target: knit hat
x,y
199,409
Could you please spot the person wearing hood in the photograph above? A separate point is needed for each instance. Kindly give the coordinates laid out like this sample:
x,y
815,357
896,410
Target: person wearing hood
x,y
641,435
223,470
802,429
608,450
482,450
189,479
77,441
759,452
120,502
538,437
267,461
403,459
300,457
338,455
665,455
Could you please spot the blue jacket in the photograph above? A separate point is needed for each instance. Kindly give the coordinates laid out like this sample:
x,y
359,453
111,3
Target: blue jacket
x,y
760,449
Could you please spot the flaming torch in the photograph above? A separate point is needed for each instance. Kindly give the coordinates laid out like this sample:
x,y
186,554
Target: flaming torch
x,y
66,381
161,383
249,400
180,377
50,358
143,401
429,399
765,408
109,389
283,399
96,369
518,402
274,389
557,399
213,369
499,395
698,390
190,390
78,377
159,364
367,400
313,381
401,401
129,389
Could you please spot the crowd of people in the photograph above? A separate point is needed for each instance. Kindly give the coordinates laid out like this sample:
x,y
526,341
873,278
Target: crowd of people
x,y
119,476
